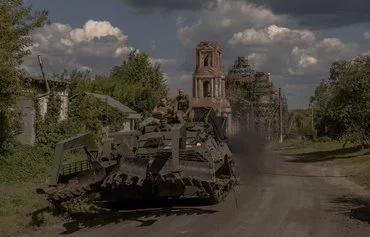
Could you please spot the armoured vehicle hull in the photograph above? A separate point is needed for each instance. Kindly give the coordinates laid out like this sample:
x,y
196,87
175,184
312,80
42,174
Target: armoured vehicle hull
x,y
181,160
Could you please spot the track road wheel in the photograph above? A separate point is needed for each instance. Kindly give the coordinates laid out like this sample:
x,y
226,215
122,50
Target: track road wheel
x,y
216,197
82,204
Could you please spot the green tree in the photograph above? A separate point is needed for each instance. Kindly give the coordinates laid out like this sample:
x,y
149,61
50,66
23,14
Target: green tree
x,y
138,83
351,101
301,124
16,22
322,103
92,114
342,104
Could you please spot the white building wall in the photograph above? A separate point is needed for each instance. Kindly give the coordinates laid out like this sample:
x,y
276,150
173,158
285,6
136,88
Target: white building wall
x,y
43,105
127,125
64,105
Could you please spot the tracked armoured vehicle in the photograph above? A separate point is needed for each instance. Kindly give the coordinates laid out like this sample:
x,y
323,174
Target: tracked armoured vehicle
x,y
179,160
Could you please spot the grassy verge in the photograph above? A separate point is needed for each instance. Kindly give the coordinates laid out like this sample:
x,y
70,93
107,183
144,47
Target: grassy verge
x,y
351,160
21,209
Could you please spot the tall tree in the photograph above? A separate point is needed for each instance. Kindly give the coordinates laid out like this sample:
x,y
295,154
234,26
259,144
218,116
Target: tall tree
x,y
351,101
16,23
342,104
139,83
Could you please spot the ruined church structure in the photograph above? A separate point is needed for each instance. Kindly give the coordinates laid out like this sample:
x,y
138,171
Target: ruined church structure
x,y
209,85
256,102
247,98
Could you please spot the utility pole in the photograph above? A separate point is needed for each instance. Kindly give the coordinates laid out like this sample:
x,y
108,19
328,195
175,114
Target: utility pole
x,y
43,77
281,117
43,73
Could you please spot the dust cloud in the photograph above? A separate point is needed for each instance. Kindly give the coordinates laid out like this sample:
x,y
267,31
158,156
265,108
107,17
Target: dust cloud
x,y
248,148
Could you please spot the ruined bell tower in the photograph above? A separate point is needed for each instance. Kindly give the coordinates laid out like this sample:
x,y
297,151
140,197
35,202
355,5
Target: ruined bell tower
x,y
209,85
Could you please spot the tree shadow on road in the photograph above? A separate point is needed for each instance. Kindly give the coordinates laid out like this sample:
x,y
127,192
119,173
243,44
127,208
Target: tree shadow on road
x,y
146,214
357,207
319,156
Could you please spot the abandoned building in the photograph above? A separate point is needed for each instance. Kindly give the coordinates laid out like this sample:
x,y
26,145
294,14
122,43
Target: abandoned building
x,y
62,90
26,104
258,107
131,118
209,81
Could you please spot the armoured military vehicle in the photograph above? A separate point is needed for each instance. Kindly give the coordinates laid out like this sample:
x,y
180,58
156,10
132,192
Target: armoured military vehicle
x,y
189,159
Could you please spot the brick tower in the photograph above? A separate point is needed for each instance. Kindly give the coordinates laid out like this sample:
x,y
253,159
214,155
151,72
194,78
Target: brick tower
x,y
209,87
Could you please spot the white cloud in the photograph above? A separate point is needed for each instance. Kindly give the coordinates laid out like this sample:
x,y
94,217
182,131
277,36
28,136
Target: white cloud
x,y
96,30
122,51
273,35
221,21
98,38
292,52
307,61
367,35
64,47
324,51
97,47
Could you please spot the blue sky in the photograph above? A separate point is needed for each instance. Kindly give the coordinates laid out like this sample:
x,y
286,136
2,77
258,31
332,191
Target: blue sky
x,y
296,43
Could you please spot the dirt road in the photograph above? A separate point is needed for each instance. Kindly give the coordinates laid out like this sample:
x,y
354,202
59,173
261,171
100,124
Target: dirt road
x,y
275,198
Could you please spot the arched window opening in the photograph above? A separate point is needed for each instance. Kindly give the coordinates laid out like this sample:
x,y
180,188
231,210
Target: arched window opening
x,y
207,59
206,89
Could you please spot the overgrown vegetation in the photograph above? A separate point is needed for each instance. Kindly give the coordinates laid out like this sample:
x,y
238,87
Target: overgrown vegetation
x,y
86,114
340,107
342,104
16,23
136,83
300,124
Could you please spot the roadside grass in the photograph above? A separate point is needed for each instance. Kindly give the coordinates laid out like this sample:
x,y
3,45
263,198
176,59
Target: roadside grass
x,y
352,160
21,209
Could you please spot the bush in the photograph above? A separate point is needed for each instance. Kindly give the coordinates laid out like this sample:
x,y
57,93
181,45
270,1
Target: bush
x,y
27,164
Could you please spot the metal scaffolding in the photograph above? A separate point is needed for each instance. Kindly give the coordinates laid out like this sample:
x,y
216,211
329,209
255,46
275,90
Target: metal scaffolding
x,y
255,101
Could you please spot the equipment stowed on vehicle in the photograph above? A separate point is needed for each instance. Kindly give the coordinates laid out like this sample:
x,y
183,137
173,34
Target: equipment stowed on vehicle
x,y
190,160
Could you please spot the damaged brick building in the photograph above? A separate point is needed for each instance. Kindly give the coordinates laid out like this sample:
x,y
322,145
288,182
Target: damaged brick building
x,y
257,104
209,84
248,99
